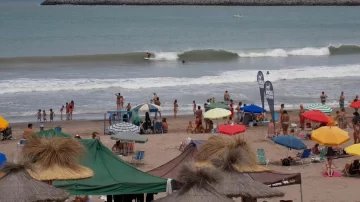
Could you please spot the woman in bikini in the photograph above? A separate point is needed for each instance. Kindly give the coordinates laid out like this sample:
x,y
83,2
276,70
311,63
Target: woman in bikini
x,y
329,167
118,106
302,119
285,121
176,107
356,133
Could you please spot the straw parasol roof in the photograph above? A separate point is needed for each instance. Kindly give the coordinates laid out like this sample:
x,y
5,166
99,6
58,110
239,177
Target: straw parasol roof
x,y
55,158
235,184
197,186
17,185
219,146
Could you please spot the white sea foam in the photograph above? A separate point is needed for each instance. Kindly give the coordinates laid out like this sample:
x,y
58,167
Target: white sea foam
x,y
237,76
308,51
166,56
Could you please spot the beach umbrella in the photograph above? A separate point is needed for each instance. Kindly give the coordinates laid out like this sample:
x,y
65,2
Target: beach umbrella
x,y
316,116
353,149
290,142
2,159
18,185
129,137
55,158
147,108
330,136
355,105
253,109
124,127
320,107
231,129
217,113
218,105
3,123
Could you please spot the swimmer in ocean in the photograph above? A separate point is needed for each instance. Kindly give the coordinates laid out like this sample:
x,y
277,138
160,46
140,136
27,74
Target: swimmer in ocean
x,y
267,73
183,61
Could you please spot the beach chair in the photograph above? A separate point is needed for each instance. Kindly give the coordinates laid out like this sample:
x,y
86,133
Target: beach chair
x,y
305,156
158,127
139,156
262,157
321,157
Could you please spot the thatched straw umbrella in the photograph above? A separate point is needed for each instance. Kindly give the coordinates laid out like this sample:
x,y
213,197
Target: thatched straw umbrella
x,y
17,185
197,186
55,158
219,146
236,184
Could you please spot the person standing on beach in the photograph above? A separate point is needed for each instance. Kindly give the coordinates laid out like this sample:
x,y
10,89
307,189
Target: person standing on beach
x,y
176,107
355,100
28,131
194,107
238,112
61,112
118,106
70,111
52,114
226,96
282,107
323,97
342,100
44,116
38,116
302,119
158,103
199,114
155,97
67,111
72,105
285,119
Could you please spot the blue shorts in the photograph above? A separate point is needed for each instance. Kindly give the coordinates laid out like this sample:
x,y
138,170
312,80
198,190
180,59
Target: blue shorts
x,y
342,105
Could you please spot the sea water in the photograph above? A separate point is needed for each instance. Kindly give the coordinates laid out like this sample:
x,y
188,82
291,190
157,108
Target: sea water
x,y
50,55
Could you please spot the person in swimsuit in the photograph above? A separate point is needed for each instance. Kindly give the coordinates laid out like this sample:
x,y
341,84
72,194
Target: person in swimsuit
x,y
342,100
61,112
329,167
194,107
44,116
302,119
238,112
121,102
199,114
176,107
70,111
52,114
38,116
118,106
323,97
148,54
67,109
356,133
226,96
282,107
285,122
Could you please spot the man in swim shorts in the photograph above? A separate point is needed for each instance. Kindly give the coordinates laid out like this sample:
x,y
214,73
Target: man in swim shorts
x,y
323,97
342,100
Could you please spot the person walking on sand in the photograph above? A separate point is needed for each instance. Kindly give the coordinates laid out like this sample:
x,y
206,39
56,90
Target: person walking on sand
x,y
284,119
38,116
323,97
194,107
52,114
61,112
44,116
342,100
302,119
118,105
176,107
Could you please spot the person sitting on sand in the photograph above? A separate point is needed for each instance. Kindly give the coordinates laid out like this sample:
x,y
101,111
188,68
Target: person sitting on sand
x,y
315,150
190,127
329,167
352,168
284,119
165,126
198,126
117,147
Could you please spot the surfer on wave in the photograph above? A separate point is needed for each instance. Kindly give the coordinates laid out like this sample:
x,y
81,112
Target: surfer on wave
x,y
148,54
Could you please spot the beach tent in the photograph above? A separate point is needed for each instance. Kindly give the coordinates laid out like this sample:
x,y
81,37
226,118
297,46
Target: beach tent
x,y
172,169
52,133
112,175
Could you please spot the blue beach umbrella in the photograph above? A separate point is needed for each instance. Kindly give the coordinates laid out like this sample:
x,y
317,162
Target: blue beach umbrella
x,y
290,142
2,159
253,109
147,108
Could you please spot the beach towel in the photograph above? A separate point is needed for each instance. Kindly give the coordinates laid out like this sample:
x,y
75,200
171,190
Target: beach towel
x,y
336,174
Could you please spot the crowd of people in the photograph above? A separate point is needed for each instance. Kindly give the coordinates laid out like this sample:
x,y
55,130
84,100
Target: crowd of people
x,y
69,107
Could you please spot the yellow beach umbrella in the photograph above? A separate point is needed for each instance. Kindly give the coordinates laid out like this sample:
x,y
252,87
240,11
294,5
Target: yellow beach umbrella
x,y
330,136
353,149
3,123
217,113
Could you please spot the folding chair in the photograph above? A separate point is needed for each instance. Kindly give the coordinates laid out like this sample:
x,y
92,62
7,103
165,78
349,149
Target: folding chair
x,y
262,157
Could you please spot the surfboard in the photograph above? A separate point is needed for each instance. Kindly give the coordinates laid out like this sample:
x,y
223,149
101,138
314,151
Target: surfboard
x,y
146,58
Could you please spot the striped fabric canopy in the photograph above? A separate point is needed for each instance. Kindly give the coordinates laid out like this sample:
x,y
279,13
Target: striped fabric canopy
x,y
325,109
124,127
147,108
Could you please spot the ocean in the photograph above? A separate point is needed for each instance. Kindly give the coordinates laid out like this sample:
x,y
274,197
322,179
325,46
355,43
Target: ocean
x,y
50,55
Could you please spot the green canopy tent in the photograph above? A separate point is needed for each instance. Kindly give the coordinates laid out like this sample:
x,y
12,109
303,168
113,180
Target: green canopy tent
x,y
218,105
112,175
52,133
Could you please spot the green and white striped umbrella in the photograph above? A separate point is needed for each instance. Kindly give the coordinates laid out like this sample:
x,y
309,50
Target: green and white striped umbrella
x,y
320,107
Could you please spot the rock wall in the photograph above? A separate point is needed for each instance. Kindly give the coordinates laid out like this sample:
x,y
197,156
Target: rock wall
x,y
207,2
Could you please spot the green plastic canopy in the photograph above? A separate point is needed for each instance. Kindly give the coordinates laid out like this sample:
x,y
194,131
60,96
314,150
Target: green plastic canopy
x,y
112,175
52,133
218,105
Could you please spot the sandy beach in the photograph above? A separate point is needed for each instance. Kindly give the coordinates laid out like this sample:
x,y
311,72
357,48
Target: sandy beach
x,y
161,148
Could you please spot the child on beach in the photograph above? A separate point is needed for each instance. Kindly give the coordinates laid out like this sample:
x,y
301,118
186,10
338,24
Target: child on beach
x,y
61,112
39,116
52,114
190,127
44,116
